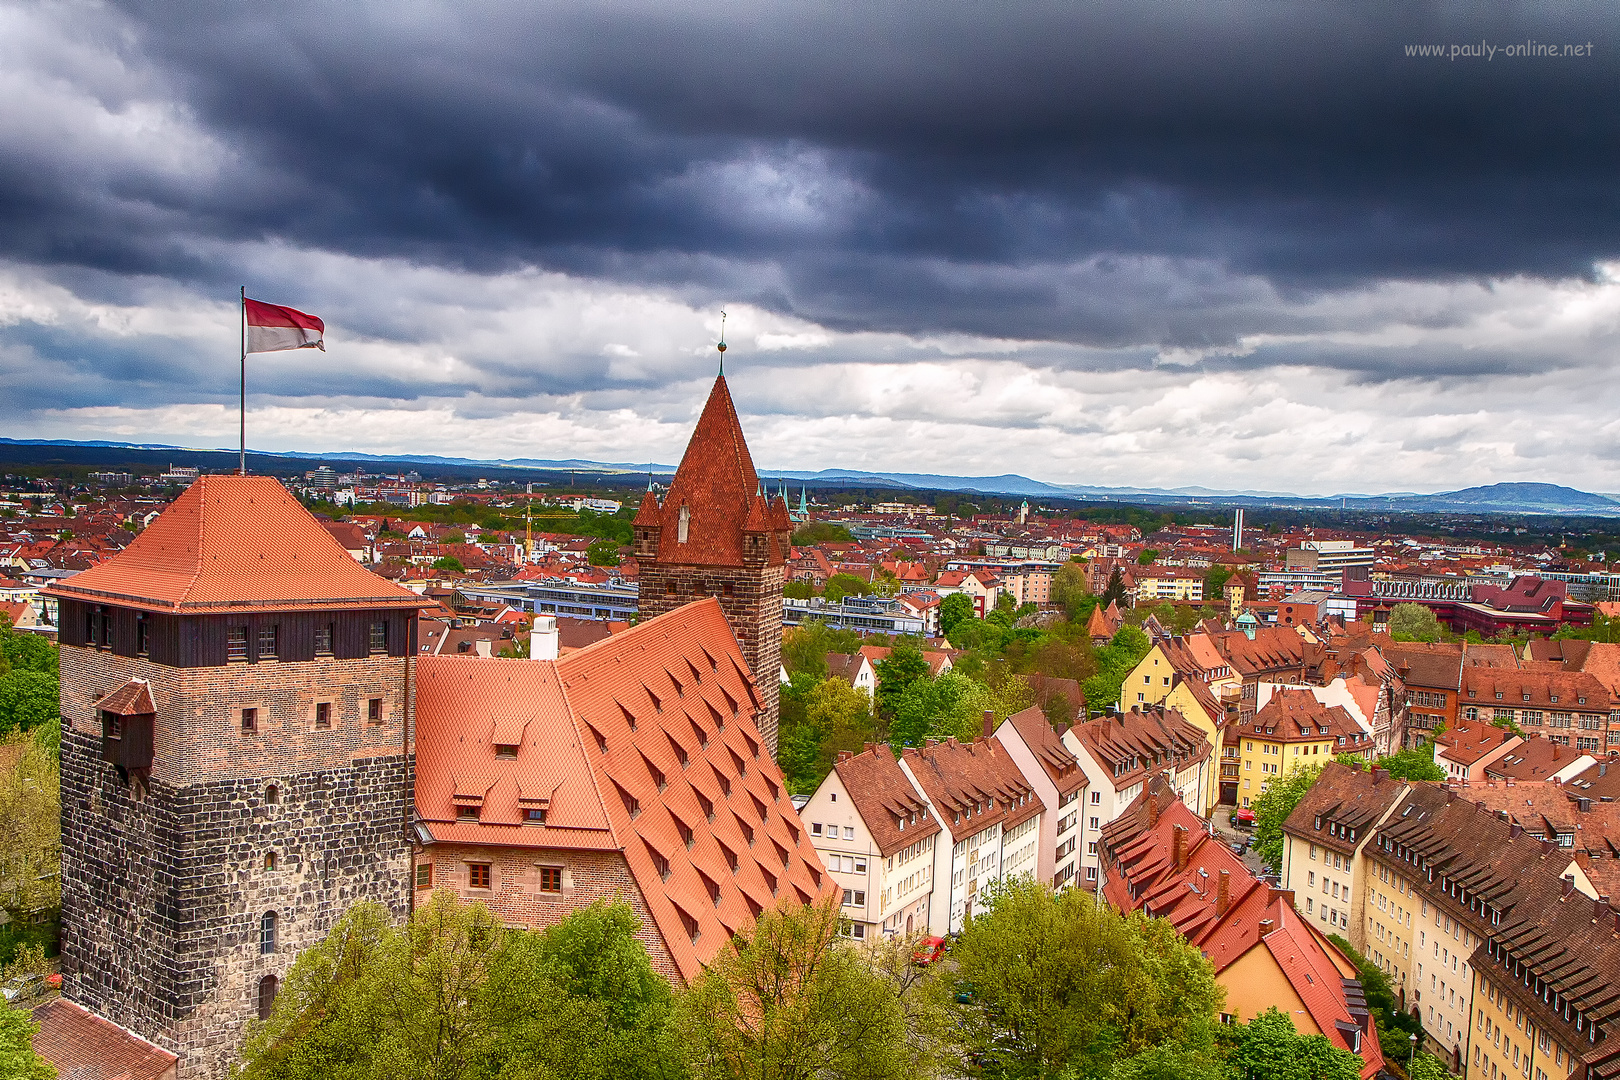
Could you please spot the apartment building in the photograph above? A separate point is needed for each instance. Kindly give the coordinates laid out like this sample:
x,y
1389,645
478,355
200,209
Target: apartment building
x,y
876,836
1118,754
1293,729
1054,773
1323,840
989,818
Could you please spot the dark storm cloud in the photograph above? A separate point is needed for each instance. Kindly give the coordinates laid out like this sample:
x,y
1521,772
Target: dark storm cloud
x,y
1110,175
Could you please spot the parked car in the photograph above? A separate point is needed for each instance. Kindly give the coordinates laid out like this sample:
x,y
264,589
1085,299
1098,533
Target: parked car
x,y
929,951
1240,847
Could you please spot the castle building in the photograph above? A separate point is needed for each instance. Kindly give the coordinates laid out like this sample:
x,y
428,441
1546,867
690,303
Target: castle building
x,y
236,762
242,759
716,533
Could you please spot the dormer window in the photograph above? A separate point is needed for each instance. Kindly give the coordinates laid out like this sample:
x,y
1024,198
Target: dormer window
x,y
506,751
683,524
466,812
535,815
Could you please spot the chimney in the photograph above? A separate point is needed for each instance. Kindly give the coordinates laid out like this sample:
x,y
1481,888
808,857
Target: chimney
x,y
1153,812
1178,848
1223,893
1603,768
1514,830
1266,926
845,755
543,638
989,723
1379,776
1600,907
1555,753
1569,885
1285,895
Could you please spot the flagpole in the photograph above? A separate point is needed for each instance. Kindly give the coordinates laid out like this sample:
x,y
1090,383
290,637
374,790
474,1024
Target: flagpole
x,y
242,466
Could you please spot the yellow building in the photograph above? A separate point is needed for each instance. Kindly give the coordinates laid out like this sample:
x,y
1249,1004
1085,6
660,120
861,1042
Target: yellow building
x,y
1293,729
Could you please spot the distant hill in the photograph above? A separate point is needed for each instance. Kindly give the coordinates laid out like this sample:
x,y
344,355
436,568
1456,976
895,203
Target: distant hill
x,y
1506,498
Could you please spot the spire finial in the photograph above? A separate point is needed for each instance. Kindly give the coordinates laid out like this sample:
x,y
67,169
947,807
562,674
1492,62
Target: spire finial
x,y
722,345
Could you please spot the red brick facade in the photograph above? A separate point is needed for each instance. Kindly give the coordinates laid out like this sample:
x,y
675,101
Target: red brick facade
x,y
521,896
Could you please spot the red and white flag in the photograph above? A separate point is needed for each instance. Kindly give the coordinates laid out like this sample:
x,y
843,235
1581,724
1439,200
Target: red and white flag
x,y
271,328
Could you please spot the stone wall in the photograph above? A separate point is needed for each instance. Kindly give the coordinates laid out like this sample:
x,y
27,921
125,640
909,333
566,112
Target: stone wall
x,y
165,884
516,898
753,607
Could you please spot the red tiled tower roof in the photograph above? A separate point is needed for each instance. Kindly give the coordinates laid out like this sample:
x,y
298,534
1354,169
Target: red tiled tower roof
x,y
717,484
230,542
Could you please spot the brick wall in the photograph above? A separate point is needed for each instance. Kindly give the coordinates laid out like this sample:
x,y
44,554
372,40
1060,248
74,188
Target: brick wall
x,y
753,608
516,898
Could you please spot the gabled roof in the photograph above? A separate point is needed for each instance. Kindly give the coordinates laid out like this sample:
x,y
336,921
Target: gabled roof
x,y
1141,741
717,484
1060,764
883,797
134,698
972,785
644,743
232,543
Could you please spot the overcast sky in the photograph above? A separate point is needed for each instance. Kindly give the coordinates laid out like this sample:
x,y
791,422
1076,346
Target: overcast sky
x,y
1244,245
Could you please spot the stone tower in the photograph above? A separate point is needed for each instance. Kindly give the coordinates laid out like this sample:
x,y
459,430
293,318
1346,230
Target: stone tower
x,y
716,533
237,762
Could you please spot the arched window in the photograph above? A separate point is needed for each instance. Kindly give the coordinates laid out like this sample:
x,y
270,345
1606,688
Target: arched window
x,y
267,996
269,860
272,795
267,932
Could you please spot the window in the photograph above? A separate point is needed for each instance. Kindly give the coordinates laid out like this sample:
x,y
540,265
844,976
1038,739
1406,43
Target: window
x,y
269,860
478,875
236,643
323,714
1096,798
506,751
1094,822
374,710
551,879
534,815
849,832
267,932
424,875
142,635
267,642
272,795
379,637
467,813
854,898
323,640
815,828
267,996
250,721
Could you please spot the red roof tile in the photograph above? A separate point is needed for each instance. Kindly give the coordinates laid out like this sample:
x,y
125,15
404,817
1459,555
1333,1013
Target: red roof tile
x,y
230,542
882,796
134,698
83,1046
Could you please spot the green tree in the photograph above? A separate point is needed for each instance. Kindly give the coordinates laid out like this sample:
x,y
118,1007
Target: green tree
x,y
449,563
1271,1048
31,842
1416,764
1147,557
17,1058
1215,579
27,699
1274,805
842,585
820,532
1114,662
954,611
798,590
793,1002
603,553
1427,1067
1114,591
1414,622
842,718
805,647
897,672
1057,984
602,1014
929,708
1071,590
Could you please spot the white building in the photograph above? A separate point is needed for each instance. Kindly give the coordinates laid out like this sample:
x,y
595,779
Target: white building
x,y
875,833
1118,753
989,819
1054,773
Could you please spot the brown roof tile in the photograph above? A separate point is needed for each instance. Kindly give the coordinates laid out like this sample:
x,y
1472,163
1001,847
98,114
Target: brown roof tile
x,y
83,1046
883,796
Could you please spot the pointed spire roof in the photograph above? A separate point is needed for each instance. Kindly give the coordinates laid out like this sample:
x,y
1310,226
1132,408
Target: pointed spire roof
x,y
717,484
234,543
648,515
